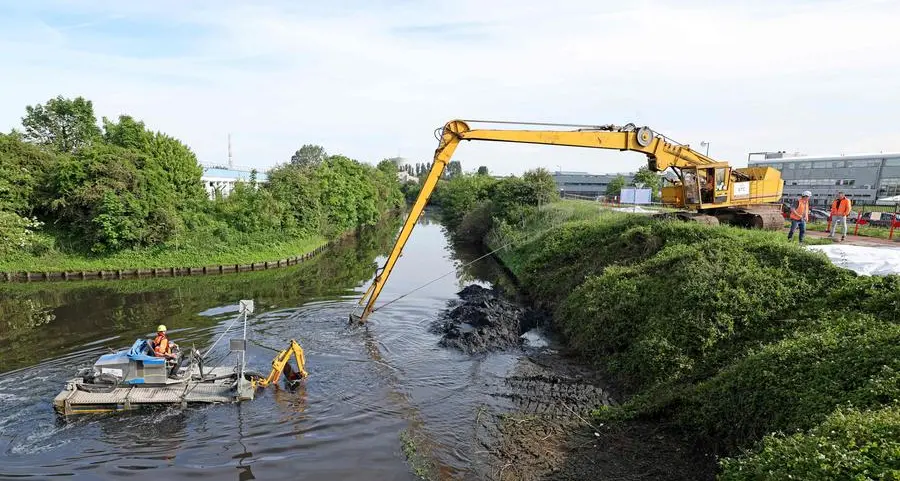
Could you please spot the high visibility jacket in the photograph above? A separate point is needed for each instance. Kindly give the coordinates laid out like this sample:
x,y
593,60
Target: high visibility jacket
x,y
801,209
161,345
840,206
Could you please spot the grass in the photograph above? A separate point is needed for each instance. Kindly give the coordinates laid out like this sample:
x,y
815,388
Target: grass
x,y
196,251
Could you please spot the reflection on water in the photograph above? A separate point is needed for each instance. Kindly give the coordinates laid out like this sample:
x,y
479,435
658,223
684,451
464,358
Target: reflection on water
x,y
114,312
366,385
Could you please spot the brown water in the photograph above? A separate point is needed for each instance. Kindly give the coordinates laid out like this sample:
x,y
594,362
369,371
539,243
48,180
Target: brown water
x,y
369,388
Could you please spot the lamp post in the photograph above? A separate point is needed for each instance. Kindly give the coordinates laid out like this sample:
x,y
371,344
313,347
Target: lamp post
x,y
639,185
705,144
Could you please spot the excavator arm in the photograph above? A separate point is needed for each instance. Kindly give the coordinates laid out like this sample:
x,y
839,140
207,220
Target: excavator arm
x,y
661,154
281,364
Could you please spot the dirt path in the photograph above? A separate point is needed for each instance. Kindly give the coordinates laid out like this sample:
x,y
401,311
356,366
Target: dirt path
x,y
854,239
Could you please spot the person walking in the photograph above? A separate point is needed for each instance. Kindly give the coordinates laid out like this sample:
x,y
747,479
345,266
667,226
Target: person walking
x,y
800,215
840,209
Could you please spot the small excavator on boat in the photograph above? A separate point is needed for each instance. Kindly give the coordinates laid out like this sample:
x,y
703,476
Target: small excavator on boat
x,y
135,377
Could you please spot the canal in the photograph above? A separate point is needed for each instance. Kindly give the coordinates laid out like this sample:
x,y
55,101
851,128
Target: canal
x,y
382,402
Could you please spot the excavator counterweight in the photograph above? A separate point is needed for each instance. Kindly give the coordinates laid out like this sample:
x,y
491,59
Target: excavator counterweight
x,y
706,190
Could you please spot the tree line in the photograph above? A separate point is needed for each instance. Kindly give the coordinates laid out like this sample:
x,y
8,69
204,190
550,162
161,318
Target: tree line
x,y
421,169
73,184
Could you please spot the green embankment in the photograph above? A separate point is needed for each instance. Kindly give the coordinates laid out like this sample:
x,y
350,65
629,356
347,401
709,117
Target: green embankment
x,y
196,251
768,355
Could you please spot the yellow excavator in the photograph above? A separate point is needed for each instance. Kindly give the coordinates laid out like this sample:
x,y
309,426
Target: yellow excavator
x,y
706,190
281,365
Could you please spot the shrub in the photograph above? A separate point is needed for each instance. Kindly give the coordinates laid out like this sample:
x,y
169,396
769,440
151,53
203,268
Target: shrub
x,y
795,383
849,445
18,233
476,224
878,295
690,307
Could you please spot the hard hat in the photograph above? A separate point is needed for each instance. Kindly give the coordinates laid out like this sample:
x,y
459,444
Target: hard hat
x,y
807,193
161,328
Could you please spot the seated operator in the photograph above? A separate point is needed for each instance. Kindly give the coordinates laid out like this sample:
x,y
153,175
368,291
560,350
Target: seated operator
x,y
708,189
162,347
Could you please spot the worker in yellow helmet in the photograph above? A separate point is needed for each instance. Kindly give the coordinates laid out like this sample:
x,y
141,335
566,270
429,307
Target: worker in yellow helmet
x,y
162,347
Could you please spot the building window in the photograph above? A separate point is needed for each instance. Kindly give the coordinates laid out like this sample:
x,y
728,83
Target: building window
x,y
892,163
864,163
803,165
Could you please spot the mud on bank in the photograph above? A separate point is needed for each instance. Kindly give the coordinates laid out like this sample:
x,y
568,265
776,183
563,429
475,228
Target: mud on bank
x,y
550,435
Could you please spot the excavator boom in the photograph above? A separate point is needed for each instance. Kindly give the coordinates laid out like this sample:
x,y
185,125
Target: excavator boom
x,y
758,185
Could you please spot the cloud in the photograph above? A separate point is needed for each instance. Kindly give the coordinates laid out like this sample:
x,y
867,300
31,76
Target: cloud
x,y
374,79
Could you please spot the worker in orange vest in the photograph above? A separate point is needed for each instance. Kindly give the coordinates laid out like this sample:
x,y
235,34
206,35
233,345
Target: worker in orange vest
x,y
840,209
162,347
800,215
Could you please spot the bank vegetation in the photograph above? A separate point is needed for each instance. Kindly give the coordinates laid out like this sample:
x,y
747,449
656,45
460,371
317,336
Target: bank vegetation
x,y
767,355
76,194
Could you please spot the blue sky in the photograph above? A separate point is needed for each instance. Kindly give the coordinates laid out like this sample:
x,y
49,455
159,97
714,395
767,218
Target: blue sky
x,y
374,79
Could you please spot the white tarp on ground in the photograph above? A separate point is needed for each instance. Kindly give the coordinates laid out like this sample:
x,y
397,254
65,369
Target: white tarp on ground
x,y
634,210
869,261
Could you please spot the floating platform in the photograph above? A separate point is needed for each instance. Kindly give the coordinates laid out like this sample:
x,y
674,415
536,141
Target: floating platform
x,y
75,400
133,378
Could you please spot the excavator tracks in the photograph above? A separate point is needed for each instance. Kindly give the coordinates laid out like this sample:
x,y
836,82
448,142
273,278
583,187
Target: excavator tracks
x,y
762,217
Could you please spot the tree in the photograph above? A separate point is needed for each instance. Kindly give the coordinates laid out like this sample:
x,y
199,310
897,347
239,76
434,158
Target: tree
x,y
389,166
615,186
309,155
128,133
482,170
62,124
541,185
651,180
454,169
24,169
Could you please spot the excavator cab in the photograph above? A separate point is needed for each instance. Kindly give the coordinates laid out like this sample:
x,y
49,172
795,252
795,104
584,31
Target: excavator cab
x,y
690,183
705,187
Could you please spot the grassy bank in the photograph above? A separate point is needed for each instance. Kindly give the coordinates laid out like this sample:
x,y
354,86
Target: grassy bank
x,y
768,355
195,251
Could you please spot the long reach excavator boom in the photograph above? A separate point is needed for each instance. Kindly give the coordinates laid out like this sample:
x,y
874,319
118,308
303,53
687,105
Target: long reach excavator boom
x,y
712,191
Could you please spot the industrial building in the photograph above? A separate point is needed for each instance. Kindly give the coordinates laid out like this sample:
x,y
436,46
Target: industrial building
x,y
585,184
864,178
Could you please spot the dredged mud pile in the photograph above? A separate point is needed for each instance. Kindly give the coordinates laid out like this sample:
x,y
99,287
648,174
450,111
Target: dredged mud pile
x,y
482,320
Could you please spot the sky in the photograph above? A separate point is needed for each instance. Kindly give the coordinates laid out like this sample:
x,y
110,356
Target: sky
x,y
374,79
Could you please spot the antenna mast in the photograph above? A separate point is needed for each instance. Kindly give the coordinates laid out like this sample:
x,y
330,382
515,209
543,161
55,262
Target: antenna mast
x,y
230,164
